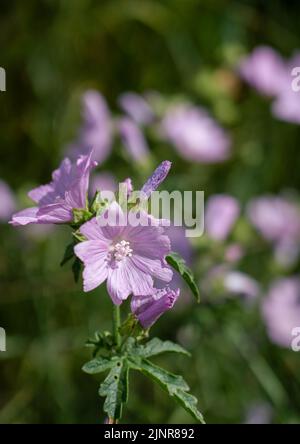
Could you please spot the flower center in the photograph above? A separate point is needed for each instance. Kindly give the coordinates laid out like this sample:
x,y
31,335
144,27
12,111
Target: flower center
x,y
120,250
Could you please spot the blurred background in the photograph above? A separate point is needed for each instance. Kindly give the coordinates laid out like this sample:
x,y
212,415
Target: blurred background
x,y
207,85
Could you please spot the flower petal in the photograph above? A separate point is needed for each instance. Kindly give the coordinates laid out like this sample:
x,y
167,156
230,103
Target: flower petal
x,y
93,254
91,230
25,217
118,285
153,267
57,213
112,221
42,194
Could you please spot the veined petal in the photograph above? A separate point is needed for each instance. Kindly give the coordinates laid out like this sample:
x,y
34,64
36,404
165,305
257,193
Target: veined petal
x,y
153,267
91,230
112,221
43,193
25,217
118,285
140,282
93,254
91,251
57,213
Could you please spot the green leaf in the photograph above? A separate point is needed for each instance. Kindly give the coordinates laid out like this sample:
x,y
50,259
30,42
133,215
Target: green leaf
x,y
98,365
115,389
76,268
157,346
69,253
178,263
189,403
174,385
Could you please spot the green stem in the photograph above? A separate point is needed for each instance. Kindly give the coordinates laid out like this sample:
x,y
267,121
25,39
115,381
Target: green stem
x,y
116,325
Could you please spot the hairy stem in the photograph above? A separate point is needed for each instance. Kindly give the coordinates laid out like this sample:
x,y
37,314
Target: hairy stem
x,y
116,325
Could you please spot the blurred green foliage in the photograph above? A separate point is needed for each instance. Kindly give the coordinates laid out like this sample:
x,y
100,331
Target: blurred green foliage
x,y
52,51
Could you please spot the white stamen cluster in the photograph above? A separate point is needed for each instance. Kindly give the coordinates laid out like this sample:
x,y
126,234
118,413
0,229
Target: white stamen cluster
x,y
120,250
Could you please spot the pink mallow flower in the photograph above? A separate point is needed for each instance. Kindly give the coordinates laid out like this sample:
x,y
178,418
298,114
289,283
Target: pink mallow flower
x,y
278,220
150,307
264,69
196,136
57,200
281,310
271,75
136,107
96,128
133,140
221,213
128,257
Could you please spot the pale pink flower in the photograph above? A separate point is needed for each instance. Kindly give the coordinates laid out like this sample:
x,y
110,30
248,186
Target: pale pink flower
x,y
128,257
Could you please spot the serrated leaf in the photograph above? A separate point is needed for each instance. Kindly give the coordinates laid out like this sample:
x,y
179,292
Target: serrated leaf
x,y
174,385
164,378
156,346
98,365
189,403
69,253
178,263
115,389
76,268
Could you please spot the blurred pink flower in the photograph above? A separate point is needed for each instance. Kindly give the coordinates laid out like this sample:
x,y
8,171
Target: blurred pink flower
x,y
234,252
133,140
223,280
264,69
238,283
221,213
281,310
136,107
260,413
102,182
287,105
7,202
96,129
270,75
195,135
278,220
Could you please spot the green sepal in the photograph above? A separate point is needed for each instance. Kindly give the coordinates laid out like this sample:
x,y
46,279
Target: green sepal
x,y
76,269
81,215
99,205
178,263
128,326
68,254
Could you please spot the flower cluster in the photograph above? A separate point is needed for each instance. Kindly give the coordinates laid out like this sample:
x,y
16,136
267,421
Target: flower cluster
x,y
131,259
194,134
270,75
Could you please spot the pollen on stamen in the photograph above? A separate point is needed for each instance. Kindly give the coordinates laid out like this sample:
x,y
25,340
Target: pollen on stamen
x,y
120,250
